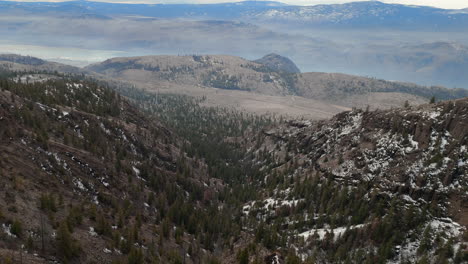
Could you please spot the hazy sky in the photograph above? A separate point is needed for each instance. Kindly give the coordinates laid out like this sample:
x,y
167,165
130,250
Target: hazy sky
x,y
449,4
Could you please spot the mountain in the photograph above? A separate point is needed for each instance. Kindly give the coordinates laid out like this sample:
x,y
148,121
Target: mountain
x,y
106,10
368,14
95,171
391,182
14,62
218,71
237,74
364,38
278,63
86,176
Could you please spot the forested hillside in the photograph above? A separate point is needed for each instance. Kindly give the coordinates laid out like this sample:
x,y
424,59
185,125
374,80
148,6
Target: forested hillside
x,y
88,178
366,187
96,172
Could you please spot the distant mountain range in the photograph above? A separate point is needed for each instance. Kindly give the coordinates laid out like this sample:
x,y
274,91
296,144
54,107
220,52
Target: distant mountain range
x,y
368,14
371,14
417,44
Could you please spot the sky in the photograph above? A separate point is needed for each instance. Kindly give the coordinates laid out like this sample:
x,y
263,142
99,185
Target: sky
x,y
447,4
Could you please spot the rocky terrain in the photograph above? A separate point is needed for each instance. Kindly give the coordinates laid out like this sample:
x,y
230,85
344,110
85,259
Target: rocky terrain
x,y
94,172
88,178
389,183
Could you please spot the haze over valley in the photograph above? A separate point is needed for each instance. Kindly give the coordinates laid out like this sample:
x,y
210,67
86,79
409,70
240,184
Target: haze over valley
x,y
394,42
251,132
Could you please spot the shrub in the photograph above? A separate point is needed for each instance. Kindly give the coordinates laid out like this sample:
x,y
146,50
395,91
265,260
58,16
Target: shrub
x,y
67,247
16,228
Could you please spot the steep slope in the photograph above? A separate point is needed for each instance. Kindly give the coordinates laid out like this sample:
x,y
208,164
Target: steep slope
x,y
278,63
85,177
367,187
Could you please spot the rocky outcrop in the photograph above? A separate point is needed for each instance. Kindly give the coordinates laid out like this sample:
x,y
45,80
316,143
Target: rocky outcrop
x,y
278,63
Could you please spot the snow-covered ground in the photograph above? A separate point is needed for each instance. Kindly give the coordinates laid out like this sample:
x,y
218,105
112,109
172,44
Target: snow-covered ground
x,y
322,232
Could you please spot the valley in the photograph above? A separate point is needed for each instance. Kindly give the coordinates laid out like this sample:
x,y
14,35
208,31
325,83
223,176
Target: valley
x,y
253,132
257,88
149,177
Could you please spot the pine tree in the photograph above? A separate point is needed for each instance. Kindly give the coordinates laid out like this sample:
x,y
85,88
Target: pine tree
x,y
243,257
135,256
16,228
67,247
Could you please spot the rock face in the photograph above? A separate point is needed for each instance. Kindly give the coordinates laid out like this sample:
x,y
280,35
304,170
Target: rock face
x,y
395,147
278,63
413,157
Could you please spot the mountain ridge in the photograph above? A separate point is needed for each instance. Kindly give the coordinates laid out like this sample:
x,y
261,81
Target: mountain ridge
x,y
359,150
332,14
234,73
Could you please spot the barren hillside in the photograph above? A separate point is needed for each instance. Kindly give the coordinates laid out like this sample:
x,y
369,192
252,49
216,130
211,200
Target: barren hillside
x,y
187,74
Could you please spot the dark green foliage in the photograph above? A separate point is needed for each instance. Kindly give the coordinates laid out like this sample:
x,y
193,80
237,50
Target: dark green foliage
x,y
426,242
30,243
243,256
87,96
184,209
215,219
103,227
218,80
17,228
67,247
48,203
291,258
75,217
135,256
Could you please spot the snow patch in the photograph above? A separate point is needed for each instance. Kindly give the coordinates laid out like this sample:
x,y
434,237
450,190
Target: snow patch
x,y
92,232
321,232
